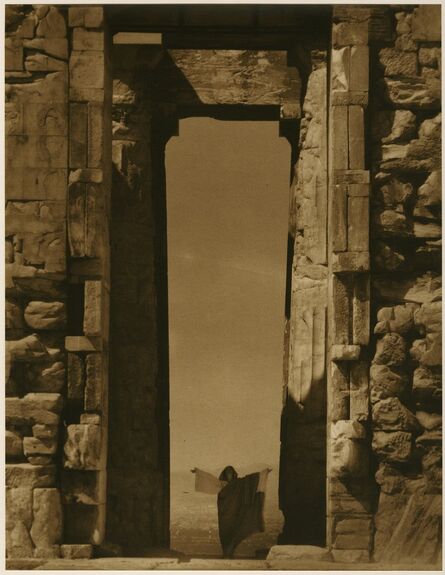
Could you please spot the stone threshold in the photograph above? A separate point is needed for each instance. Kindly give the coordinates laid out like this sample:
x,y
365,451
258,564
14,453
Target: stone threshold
x,y
169,564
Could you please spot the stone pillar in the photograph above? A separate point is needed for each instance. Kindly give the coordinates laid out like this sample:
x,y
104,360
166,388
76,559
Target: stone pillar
x,y
89,161
36,174
303,435
349,501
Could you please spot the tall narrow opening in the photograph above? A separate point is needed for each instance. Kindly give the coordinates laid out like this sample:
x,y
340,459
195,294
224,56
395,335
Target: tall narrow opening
x,y
227,211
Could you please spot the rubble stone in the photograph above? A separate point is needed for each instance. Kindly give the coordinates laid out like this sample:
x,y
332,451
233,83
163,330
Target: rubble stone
x,y
45,315
391,415
392,446
82,447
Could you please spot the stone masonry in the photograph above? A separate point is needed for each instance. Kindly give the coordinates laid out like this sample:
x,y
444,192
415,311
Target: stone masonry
x,y
87,430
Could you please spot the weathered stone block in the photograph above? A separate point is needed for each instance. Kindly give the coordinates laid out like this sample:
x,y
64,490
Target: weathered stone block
x,y
52,88
90,418
429,197
350,555
13,445
87,16
44,431
398,63
399,319
391,415
34,446
40,459
353,541
349,458
43,63
95,135
13,53
87,39
44,401
52,25
428,317
426,23
350,262
81,343
83,447
413,93
87,69
18,541
392,446
76,376
81,551
394,126
390,350
359,69
358,224
36,184
20,412
45,315
427,386
57,47
345,352
47,526
350,34
51,552
339,150
26,475
356,131
429,421
41,228
78,94
428,351
340,69
94,382
359,394
13,316
19,505
89,175
36,151
92,319
78,135
339,218
46,378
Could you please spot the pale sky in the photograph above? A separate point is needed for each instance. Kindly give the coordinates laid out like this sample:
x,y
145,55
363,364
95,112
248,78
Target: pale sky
x,y
227,205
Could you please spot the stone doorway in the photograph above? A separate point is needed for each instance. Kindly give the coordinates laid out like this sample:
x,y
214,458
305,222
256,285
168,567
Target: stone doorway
x,y
154,87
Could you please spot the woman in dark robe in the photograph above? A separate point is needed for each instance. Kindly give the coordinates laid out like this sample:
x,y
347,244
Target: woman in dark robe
x,y
240,504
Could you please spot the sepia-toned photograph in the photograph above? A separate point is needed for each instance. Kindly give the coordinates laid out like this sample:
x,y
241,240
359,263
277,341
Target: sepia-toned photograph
x,y
223,309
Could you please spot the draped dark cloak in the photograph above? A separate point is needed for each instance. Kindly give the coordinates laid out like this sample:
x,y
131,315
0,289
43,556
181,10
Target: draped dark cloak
x,y
240,511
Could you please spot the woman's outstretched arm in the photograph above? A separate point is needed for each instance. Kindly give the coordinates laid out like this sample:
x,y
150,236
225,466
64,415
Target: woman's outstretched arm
x,y
206,482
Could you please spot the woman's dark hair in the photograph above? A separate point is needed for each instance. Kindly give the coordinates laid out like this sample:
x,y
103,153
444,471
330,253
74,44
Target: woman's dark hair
x,y
228,473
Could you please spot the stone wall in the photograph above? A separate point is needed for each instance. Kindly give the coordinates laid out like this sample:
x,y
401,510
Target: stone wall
x,y
56,311
405,374
36,307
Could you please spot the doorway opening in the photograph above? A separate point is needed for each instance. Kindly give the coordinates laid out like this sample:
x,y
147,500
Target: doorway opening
x,y
227,188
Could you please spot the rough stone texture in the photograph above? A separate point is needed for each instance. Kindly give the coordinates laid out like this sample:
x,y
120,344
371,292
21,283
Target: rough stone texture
x,y
13,445
46,530
84,551
82,447
405,378
44,315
